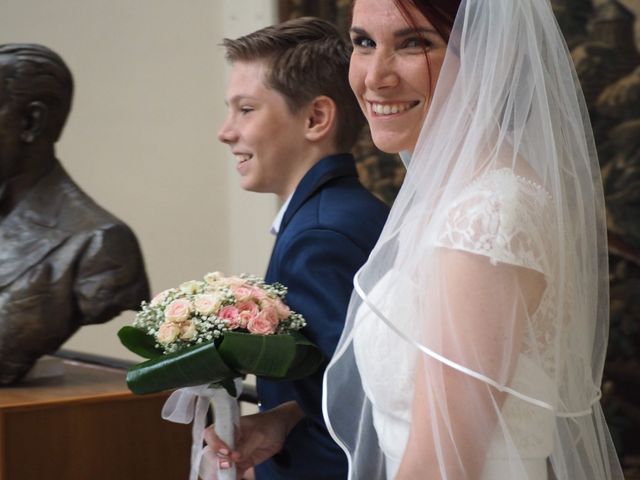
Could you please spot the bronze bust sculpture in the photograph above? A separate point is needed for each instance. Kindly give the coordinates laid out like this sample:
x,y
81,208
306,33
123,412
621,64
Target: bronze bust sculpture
x,y
64,261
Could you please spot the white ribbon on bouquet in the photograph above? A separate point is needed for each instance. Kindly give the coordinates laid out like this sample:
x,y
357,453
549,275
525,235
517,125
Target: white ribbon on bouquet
x,y
191,404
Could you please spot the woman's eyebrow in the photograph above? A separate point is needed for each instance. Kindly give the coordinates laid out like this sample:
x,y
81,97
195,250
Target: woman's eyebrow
x,y
413,30
399,33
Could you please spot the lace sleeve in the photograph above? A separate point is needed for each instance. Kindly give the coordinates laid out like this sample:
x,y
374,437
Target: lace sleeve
x,y
501,216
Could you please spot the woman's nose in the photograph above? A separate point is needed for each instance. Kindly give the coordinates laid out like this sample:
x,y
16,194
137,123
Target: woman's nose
x,y
381,72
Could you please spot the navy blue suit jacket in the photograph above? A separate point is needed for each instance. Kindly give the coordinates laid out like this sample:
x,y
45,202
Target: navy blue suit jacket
x,y
330,226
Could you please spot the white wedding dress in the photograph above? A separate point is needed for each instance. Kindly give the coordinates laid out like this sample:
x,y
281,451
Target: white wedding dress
x,y
497,216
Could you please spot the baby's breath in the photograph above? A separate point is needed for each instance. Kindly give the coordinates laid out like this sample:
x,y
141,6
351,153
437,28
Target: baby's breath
x,y
195,312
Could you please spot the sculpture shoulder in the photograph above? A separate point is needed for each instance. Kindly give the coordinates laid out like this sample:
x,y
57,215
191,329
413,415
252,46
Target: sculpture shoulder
x,y
59,196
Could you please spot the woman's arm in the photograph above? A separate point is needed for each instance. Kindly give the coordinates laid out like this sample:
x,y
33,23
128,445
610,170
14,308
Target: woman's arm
x,y
476,318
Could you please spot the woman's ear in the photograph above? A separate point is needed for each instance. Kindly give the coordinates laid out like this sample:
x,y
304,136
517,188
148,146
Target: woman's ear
x,y
321,118
35,121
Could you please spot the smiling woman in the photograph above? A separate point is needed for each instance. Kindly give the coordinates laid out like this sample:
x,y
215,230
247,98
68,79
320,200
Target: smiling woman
x,y
391,68
476,336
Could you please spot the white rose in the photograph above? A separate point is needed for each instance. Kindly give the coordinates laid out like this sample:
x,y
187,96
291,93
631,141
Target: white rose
x,y
212,278
207,303
190,287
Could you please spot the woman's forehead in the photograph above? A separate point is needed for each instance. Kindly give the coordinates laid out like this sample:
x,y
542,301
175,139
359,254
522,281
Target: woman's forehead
x,y
383,13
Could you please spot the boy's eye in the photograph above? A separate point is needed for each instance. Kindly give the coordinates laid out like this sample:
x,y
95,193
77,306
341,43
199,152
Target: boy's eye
x,y
363,42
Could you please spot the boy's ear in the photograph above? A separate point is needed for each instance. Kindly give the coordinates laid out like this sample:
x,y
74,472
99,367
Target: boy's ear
x,y
321,117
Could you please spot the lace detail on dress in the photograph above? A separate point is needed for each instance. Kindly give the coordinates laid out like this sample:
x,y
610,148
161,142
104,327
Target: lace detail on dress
x,y
502,216
507,218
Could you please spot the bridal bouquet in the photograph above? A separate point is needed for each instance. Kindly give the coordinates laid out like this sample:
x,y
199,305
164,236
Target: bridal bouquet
x,y
203,337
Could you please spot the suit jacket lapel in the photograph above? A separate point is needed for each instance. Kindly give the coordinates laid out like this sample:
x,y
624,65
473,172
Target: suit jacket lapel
x,y
28,233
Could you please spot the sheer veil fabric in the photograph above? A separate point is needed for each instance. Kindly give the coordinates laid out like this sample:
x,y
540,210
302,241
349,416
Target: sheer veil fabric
x,y
477,331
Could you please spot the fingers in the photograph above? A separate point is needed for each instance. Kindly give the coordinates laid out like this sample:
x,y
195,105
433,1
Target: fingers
x,y
213,440
220,449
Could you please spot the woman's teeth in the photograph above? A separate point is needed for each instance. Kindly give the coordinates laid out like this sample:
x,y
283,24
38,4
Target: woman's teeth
x,y
391,108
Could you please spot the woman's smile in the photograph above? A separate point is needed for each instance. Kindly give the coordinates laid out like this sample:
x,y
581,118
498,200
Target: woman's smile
x,y
385,109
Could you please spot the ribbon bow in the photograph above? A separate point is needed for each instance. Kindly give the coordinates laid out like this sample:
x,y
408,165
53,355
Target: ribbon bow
x,y
191,404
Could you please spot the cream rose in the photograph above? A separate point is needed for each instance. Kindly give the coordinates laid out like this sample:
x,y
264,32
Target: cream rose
x,y
178,311
160,297
207,303
167,332
188,330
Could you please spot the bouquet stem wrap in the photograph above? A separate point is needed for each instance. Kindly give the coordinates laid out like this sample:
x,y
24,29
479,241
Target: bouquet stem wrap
x,y
226,417
190,405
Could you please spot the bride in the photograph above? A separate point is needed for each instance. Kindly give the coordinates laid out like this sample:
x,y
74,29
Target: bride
x,y
476,335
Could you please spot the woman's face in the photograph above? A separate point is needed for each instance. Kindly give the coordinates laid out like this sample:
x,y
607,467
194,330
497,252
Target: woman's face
x,y
389,72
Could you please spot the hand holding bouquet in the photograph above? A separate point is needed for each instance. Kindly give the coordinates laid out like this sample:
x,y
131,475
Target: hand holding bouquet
x,y
209,334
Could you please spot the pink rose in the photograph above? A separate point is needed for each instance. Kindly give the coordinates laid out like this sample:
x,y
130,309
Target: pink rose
x,y
234,282
243,294
207,303
248,306
267,302
258,293
244,318
231,315
247,312
262,324
271,314
159,298
178,310
276,304
283,310
167,332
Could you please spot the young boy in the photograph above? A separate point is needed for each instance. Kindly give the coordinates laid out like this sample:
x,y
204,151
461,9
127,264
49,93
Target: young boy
x,y
291,120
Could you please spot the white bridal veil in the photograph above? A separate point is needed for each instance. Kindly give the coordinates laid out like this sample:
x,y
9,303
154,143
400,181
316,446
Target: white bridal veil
x,y
476,335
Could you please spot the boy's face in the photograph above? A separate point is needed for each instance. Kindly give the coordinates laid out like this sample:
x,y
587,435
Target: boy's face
x,y
265,137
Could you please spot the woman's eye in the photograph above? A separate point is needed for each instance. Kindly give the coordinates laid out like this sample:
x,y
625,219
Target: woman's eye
x,y
245,110
421,43
363,42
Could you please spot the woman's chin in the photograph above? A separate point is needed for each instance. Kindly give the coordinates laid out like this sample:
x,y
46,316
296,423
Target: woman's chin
x,y
391,142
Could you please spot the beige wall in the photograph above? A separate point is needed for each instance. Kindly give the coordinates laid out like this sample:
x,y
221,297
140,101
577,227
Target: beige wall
x,y
141,138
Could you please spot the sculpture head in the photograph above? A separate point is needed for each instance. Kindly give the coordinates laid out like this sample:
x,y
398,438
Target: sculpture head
x,y
36,88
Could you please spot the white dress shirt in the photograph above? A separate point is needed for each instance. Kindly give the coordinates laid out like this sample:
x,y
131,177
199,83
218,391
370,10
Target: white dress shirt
x,y
275,226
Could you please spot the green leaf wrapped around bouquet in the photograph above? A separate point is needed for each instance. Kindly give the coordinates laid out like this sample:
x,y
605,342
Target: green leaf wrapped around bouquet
x,y
213,330
277,357
139,342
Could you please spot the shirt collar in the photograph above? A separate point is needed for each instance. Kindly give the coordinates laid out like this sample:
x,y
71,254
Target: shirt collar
x,y
277,222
